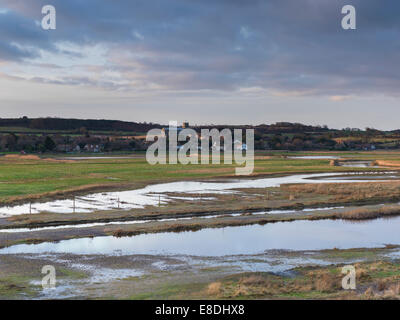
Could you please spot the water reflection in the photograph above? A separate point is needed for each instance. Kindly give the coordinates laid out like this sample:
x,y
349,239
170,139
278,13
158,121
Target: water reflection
x,y
254,239
154,195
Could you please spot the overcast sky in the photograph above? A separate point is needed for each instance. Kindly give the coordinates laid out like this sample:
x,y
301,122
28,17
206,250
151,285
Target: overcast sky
x,y
204,61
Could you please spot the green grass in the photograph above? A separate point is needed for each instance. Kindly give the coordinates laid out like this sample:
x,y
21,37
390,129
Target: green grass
x,y
385,273
70,274
305,295
350,254
171,291
12,286
19,178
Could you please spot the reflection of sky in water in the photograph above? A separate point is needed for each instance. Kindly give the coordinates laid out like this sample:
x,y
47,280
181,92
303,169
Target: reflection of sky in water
x,y
153,194
314,157
115,223
297,235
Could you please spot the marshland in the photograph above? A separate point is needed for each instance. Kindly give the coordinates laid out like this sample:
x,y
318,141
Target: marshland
x,y
117,227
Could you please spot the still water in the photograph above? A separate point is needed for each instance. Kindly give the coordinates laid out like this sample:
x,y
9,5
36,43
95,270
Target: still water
x,y
153,195
254,239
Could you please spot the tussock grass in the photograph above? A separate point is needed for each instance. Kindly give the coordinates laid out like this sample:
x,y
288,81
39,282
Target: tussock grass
x,y
386,163
374,280
326,282
214,288
365,214
346,192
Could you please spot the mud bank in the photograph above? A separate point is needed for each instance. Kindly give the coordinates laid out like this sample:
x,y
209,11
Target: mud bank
x,y
187,277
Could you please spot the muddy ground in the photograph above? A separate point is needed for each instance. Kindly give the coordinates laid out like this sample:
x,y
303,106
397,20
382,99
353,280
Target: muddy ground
x,y
271,275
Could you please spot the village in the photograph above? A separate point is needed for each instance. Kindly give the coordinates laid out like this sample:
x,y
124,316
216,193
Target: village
x,y
65,136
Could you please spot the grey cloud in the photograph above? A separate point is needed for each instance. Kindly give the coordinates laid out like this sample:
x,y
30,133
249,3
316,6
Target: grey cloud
x,y
295,46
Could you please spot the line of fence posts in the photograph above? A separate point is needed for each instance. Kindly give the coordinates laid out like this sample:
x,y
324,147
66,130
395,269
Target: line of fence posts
x,y
74,204
118,202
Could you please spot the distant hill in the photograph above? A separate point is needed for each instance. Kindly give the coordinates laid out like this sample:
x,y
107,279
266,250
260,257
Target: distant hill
x,y
59,124
279,127
26,124
89,135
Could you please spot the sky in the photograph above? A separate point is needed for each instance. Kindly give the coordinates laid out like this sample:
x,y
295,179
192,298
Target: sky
x,y
203,61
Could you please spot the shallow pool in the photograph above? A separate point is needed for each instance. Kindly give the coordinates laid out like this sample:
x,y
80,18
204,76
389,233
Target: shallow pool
x,y
254,239
154,195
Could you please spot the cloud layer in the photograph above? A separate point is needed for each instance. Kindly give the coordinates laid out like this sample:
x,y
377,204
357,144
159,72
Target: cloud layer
x,y
289,47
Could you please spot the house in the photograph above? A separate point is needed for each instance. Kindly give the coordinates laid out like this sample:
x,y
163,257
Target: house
x,y
238,145
177,130
92,148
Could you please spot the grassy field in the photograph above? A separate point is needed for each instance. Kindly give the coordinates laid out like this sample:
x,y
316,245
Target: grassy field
x,y
21,177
